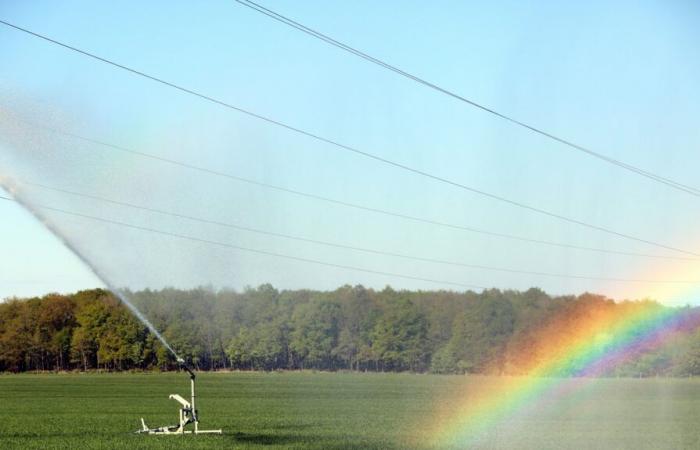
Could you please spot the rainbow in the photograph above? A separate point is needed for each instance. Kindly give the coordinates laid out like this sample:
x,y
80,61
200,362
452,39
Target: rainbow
x,y
597,340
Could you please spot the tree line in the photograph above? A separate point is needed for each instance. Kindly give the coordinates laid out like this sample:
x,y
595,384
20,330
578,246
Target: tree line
x,y
350,328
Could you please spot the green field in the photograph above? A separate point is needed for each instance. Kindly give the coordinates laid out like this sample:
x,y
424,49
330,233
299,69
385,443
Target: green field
x,y
328,411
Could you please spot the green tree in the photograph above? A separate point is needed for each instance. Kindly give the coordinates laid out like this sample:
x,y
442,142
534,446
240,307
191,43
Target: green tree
x,y
445,361
399,339
91,316
314,334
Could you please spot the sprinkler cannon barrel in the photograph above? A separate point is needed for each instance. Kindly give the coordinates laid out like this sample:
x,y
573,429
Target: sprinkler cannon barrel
x,y
186,367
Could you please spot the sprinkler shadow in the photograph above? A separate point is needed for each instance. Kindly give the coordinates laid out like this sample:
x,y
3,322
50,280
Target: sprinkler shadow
x,y
328,442
269,439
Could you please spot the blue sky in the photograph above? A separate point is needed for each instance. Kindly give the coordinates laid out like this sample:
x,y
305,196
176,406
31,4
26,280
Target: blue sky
x,y
621,79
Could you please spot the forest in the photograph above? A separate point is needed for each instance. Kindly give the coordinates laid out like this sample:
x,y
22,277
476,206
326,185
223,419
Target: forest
x,y
351,328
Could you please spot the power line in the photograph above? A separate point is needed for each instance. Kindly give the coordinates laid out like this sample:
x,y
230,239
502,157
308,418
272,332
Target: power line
x,y
346,204
343,246
250,250
357,151
327,39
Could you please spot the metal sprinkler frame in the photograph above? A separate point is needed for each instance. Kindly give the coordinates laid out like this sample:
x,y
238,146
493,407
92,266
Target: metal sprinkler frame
x,y
187,413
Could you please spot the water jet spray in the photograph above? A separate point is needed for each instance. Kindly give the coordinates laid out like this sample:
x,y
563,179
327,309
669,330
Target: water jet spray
x,y
187,412
11,188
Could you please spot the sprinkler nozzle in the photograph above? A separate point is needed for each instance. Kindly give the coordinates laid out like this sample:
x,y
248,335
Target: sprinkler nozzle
x,y
186,367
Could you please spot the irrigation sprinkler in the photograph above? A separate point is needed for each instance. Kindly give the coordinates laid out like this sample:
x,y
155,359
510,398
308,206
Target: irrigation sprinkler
x,y
187,413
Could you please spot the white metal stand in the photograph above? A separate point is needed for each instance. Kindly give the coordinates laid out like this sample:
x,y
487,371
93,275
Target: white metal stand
x,y
187,414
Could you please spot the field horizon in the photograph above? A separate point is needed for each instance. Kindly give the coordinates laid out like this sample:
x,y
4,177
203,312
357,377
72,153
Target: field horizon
x,y
224,371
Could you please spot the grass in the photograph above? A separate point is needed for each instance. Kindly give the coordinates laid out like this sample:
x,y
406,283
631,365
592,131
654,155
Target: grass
x,y
330,411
